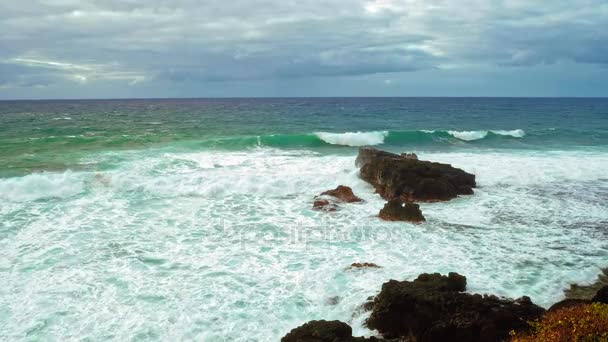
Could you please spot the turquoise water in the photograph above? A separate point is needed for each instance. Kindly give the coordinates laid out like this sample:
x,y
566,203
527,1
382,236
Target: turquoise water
x,y
191,219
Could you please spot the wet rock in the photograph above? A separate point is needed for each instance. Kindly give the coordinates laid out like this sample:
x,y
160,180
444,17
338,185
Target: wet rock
x,y
601,296
363,265
410,179
409,156
365,307
568,303
330,200
324,205
343,193
434,308
453,281
395,210
333,300
324,331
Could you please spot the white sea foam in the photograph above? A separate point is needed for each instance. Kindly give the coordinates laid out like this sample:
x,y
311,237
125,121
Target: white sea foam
x,y
516,133
353,138
476,135
41,186
213,246
469,135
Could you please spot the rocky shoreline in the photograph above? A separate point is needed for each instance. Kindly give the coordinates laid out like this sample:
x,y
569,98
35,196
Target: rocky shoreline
x,y
433,307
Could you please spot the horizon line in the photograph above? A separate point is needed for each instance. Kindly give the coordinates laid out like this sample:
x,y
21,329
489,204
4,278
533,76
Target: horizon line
x,y
302,97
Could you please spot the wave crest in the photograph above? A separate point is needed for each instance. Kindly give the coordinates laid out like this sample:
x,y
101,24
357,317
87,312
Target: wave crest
x,y
476,135
38,186
353,138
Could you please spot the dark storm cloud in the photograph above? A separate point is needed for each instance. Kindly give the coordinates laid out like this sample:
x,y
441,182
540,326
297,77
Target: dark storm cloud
x,y
140,42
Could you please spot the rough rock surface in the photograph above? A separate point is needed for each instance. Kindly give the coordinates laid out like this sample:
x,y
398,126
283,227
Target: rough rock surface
x,y
324,331
343,193
409,156
410,179
329,200
363,265
395,210
434,308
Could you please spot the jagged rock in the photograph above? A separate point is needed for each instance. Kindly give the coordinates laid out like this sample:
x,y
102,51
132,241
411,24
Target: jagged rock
x,y
453,282
329,200
409,156
395,210
324,331
410,179
363,265
434,308
601,296
343,193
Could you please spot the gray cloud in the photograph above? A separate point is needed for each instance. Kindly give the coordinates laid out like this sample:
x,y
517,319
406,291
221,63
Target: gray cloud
x,y
135,42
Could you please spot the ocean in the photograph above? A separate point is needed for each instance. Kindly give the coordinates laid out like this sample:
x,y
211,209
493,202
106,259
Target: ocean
x,y
191,219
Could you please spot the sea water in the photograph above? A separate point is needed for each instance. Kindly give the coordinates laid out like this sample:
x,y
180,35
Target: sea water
x,y
192,220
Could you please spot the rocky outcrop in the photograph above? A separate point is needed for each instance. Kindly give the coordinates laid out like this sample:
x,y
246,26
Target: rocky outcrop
x,y
324,331
601,296
395,210
409,179
329,200
434,308
343,194
363,265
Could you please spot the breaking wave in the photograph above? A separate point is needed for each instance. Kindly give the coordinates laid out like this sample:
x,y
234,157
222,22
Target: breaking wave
x,y
353,139
476,135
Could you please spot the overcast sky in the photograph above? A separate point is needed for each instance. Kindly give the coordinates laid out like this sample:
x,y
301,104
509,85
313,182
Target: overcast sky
x,y
190,48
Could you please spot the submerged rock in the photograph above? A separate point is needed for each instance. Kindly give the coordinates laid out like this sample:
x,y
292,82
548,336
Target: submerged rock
x,y
434,308
324,331
395,210
410,179
333,300
324,205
